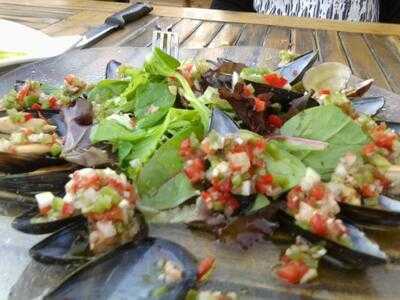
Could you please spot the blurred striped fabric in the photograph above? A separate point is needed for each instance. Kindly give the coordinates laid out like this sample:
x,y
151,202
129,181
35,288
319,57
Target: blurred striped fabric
x,y
351,10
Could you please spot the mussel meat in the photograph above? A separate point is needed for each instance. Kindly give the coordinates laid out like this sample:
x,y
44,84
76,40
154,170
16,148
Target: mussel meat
x,y
149,269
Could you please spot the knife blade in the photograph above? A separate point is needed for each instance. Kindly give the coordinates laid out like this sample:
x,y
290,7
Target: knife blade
x,y
115,22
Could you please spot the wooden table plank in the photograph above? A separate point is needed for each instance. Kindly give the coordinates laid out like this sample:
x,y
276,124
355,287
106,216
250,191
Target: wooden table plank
x,y
303,40
278,38
203,35
185,28
387,57
144,39
252,35
361,60
330,47
227,36
223,16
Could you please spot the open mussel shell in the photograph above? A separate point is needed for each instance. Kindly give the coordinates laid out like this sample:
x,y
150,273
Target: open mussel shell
x,y
294,71
70,244
21,163
364,252
51,179
26,222
112,69
130,272
368,105
222,123
388,213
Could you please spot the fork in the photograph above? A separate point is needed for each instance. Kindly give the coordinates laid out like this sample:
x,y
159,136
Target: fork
x,y
166,40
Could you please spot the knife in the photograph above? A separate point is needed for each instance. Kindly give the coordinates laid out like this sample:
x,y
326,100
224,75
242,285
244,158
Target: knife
x,y
115,22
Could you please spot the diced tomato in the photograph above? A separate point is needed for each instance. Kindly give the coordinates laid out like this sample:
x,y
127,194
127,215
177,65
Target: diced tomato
x,y
224,186
195,170
45,210
27,117
369,149
318,224
119,186
292,272
229,200
367,191
275,80
206,196
293,199
324,91
23,92
259,105
316,194
205,267
385,141
53,102
36,106
86,182
260,145
186,148
263,183
385,182
274,121
67,210
114,214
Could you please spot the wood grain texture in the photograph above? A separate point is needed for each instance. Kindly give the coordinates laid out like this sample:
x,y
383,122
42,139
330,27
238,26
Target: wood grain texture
x,y
361,60
303,40
221,16
387,56
227,36
203,35
330,47
278,38
252,35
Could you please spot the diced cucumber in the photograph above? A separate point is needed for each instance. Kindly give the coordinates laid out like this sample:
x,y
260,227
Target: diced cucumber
x,y
57,204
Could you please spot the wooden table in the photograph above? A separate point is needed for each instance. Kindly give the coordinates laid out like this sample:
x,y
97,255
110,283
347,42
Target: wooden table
x,y
371,50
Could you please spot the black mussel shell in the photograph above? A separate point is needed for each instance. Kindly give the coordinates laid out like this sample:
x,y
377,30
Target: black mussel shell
x,y
13,198
369,105
365,252
222,123
130,272
25,223
112,69
51,179
294,71
21,163
70,244
388,214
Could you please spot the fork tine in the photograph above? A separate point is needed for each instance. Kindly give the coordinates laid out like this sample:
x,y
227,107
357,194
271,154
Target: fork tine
x,y
166,40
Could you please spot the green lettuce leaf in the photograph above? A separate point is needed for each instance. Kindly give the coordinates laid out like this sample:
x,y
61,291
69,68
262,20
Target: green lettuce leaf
x,y
328,124
254,74
107,89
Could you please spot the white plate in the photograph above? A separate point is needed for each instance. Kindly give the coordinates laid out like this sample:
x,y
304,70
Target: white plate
x,y
33,43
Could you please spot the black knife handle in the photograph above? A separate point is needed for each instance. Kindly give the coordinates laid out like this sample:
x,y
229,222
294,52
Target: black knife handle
x,y
129,14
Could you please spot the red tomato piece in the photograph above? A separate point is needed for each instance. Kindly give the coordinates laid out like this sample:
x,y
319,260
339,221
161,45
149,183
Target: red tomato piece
x,y
36,106
275,80
23,92
274,121
204,267
369,149
259,105
292,272
45,210
27,117
195,170
224,186
53,102
263,183
367,191
186,148
318,225
385,141
67,210
324,91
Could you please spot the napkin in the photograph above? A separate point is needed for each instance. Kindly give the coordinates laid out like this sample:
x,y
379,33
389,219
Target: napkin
x,y
20,43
